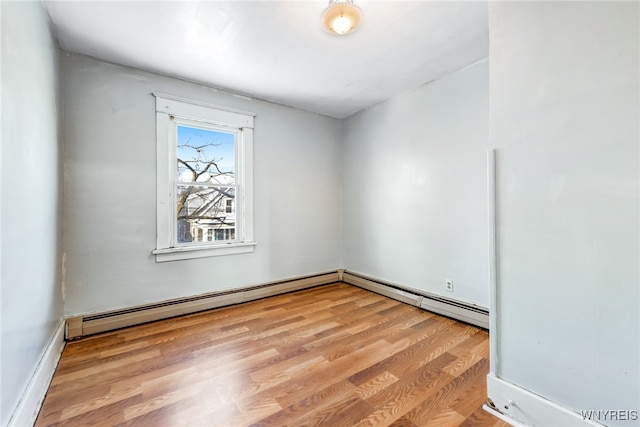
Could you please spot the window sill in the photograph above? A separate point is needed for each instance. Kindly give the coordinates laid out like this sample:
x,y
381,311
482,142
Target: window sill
x,y
191,252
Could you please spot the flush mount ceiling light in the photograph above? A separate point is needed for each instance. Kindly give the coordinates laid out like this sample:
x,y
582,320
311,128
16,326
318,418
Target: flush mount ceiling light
x,y
341,17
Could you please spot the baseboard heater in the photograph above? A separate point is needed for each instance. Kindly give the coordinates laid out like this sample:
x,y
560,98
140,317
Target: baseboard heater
x,y
469,313
88,324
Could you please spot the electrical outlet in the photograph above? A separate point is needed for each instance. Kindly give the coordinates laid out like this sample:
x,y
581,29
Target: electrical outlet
x,y
448,285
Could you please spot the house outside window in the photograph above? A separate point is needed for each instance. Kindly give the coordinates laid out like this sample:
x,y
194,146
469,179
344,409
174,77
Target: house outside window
x,y
204,180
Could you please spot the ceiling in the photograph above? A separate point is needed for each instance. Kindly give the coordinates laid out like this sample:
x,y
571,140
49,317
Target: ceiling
x,y
276,50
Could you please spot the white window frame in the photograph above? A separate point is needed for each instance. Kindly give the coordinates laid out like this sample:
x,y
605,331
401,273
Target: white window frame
x,y
172,111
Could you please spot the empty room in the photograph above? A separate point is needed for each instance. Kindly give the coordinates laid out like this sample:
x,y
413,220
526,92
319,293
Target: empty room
x,y
320,212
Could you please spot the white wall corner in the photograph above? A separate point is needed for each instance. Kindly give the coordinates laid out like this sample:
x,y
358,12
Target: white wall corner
x,y
31,400
520,407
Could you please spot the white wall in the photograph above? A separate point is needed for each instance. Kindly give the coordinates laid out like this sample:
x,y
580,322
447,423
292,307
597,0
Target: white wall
x,y
30,198
110,181
564,122
414,189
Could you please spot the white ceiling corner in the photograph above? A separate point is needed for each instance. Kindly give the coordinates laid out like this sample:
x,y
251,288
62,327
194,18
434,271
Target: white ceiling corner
x,y
276,50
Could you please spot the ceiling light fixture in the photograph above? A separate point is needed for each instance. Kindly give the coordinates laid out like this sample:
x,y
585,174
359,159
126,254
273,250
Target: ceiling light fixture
x,y
341,17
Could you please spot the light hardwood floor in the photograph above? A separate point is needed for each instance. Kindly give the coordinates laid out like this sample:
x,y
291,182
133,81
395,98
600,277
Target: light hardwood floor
x,y
335,355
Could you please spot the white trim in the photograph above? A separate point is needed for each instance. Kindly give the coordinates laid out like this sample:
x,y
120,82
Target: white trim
x,y
203,113
382,289
523,407
164,190
171,110
493,263
455,312
245,156
459,310
191,252
500,415
203,104
33,396
87,324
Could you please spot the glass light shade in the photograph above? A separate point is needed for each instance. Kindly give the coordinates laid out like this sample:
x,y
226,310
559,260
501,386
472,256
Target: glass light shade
x,y
341,17
341,25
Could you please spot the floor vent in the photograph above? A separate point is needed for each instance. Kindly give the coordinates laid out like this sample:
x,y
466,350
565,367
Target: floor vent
x,y
469,313
88,324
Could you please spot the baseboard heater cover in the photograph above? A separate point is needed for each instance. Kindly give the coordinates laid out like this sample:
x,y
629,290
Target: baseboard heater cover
x,y
83,325
469,313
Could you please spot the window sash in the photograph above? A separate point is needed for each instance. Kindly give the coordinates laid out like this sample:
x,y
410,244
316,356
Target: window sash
x,y
237,224
238,173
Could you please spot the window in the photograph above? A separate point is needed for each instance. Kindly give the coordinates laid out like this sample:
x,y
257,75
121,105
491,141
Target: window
x,y
204,180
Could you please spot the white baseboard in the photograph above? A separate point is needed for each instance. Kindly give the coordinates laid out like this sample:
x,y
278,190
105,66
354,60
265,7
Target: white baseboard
x,y
520,407
83,325
31,400
378,287
493,411
455,309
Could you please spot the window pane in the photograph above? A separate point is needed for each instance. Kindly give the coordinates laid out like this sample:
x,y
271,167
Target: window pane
x,y
202,213
205,155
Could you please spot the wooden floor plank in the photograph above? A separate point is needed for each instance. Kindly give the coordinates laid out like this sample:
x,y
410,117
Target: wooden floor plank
x,y
334,355
443,398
